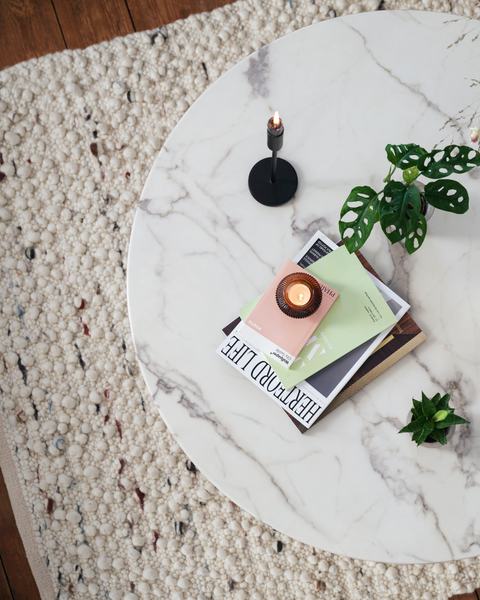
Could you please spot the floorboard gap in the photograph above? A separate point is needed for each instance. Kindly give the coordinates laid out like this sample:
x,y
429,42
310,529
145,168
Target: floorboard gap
x,y
130,15
59,24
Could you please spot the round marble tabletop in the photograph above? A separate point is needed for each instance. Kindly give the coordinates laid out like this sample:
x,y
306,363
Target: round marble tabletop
x,y
202,247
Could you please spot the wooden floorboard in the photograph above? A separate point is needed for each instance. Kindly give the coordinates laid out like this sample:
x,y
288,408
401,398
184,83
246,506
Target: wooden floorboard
x,y
12,553
32,28
148,14
212,4
5,592
28,29
87,22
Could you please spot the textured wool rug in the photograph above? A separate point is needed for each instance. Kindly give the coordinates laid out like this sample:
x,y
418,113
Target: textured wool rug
x,y
107,503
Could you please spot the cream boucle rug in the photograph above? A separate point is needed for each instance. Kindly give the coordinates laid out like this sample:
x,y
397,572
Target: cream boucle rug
x,y
107,503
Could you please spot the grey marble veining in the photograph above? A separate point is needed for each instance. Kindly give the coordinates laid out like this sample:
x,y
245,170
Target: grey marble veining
x,y
202,247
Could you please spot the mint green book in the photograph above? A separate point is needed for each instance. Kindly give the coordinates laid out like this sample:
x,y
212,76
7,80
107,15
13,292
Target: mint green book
x,y
359,314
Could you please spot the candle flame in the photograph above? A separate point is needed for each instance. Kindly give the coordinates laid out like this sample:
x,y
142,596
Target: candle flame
x,y
301,296
276,118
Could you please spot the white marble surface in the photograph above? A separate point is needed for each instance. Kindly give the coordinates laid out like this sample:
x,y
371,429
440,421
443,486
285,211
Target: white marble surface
x,y
201,247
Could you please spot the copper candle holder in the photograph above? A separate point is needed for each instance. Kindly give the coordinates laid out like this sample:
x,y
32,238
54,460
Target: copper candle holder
x,y
299,295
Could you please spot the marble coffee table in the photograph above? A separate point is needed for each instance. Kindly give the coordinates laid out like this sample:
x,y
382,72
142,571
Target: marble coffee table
x,y
202,247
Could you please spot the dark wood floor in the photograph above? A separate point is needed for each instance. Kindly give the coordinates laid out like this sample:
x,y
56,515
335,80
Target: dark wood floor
x,y
32,28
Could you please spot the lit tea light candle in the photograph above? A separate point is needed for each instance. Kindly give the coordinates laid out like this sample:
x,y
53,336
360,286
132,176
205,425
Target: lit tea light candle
x,y
298,294
275,126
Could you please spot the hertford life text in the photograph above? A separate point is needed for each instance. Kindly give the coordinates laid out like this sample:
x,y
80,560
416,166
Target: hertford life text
x,y
245,359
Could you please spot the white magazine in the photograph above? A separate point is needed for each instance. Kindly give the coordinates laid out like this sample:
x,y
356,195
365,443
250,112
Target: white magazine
x,y
307,400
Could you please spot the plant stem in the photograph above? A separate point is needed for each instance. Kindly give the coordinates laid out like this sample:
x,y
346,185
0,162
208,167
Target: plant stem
x,y
391,171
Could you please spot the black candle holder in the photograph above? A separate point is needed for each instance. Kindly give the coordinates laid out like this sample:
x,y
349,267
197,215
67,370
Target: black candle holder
x,y
273,181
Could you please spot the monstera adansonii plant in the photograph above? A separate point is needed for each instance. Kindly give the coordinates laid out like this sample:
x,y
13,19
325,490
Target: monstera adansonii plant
x,y
400,205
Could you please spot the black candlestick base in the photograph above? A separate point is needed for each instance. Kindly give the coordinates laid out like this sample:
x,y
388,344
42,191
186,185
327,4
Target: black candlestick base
x,y
268,193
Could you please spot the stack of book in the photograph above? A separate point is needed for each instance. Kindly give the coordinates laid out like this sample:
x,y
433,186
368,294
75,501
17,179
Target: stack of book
x,y
362,329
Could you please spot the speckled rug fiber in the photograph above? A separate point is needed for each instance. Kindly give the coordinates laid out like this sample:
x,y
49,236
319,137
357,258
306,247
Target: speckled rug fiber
x,y
107,503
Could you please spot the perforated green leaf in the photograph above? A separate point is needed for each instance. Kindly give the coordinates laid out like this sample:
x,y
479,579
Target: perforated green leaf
x,y
416,237
404,156
410,175
399,210
451,159
448,195
363,201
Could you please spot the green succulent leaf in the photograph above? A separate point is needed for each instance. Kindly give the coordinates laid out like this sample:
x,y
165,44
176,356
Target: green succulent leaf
x,y
416,237
416,436
452,159
410,175
428,407
442,404
363,201
404,156
436,399
448,195
417,409
451,419
415,426
426,431
440,415
439,435
399,210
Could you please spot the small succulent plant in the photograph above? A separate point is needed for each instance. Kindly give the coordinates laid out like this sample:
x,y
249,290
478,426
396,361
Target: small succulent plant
x,y
430,418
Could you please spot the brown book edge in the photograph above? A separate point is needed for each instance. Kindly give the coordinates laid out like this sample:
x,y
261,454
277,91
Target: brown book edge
x,y
348,392
374,373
